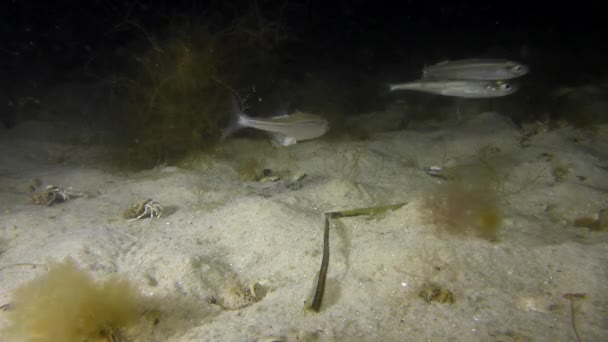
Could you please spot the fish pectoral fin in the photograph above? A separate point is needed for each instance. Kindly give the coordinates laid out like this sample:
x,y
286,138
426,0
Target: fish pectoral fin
x,y
283,140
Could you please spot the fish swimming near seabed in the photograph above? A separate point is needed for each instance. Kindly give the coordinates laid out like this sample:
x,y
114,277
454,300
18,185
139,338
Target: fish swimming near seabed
x,y
474,89
285,129
475,69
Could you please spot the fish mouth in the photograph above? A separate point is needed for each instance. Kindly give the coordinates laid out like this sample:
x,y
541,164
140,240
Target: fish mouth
x,y
519,69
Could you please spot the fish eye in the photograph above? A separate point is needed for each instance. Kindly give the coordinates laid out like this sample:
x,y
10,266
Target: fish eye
x,y
505,86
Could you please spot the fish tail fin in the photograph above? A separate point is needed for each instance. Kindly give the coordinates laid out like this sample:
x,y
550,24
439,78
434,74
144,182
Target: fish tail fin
x,y
233,127
424,71
237,121
384,90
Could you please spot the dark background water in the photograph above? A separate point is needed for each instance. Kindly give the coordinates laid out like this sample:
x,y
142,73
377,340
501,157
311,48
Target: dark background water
x,y
357,46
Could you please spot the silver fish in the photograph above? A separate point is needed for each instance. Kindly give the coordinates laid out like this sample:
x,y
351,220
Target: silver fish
x,y
473,89
285,129
475,69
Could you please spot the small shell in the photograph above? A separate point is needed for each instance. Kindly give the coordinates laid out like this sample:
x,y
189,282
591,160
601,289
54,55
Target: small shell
x,y
272,339
435,171
239,296
269,179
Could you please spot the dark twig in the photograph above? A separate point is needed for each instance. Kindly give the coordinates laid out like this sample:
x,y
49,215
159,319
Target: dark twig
x,y
571,297
315,305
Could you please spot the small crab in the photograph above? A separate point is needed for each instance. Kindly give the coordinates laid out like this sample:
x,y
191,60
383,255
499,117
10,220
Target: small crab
x,y
434,293
50,195
148,208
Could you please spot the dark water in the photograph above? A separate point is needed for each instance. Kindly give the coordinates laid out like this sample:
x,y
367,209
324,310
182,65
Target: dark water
x,y
334,58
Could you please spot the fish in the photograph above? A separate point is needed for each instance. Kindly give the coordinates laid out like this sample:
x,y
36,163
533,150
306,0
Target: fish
x,y
474,89
286,130
475,69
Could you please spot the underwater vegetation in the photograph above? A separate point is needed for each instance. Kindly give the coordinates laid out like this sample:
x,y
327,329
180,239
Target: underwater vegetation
x,y
597,222
464,208
468,201
175,97
172,102
250,170
583,107
68,305
560,172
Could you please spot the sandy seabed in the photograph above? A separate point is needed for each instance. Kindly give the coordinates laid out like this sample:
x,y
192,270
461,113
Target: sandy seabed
x,y
243,255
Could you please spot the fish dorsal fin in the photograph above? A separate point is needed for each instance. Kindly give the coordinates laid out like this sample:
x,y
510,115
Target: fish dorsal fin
x,y
296,114
425,71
